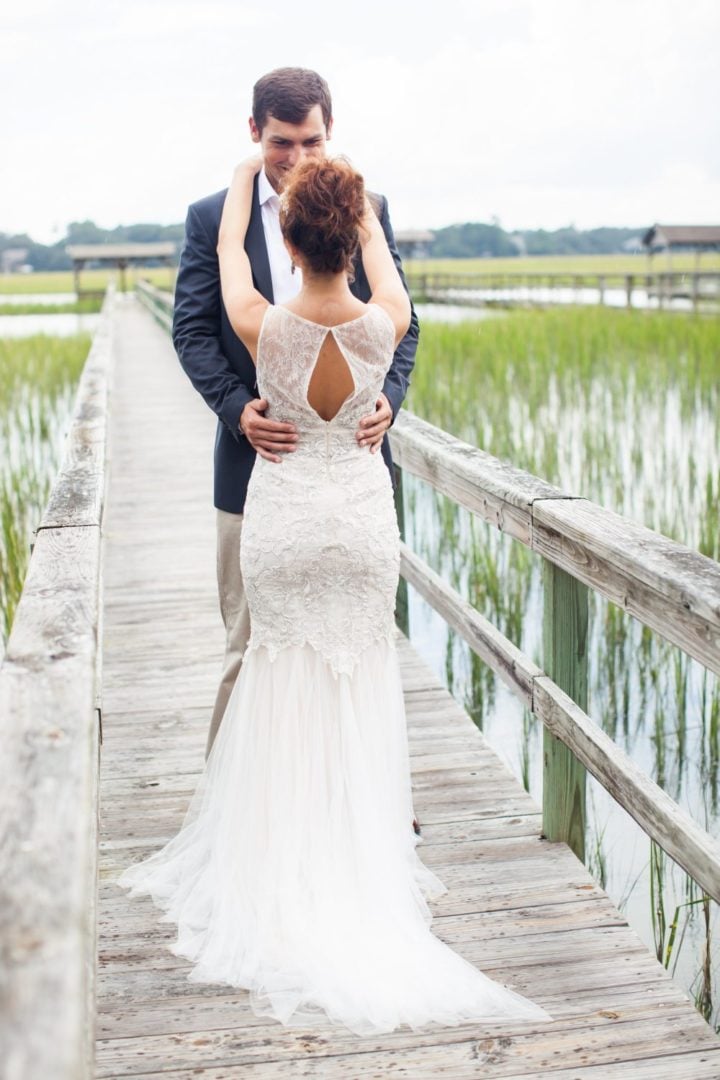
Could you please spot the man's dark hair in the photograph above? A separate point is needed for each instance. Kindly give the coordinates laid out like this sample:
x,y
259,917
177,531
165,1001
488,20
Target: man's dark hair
x,y
289,94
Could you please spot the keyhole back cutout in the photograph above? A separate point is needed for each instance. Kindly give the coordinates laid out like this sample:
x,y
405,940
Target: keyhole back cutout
x,y
331,381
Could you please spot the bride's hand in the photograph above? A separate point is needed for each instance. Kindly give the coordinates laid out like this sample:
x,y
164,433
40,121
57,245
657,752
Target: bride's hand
x,y
251,165
238,202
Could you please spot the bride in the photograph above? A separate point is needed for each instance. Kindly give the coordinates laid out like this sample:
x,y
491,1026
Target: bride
x,y
295,873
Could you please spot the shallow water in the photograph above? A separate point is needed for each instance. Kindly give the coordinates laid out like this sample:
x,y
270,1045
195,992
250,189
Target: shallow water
x,y
64,325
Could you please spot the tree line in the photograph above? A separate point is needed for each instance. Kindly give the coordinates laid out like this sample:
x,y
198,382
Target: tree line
x,y
470,240
474,240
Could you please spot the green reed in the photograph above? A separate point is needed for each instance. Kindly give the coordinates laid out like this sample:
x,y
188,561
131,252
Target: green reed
x,y
38,378
87,306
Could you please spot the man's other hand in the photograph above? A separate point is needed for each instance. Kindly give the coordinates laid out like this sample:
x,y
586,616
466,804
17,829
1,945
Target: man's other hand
x,y
268,437
372,428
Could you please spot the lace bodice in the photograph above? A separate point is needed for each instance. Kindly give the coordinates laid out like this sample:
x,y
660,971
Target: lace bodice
x,y
320,543
288,350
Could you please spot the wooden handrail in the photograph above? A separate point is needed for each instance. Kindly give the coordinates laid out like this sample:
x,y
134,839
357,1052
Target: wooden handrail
x,y
158,302
49,732
666,585
653,809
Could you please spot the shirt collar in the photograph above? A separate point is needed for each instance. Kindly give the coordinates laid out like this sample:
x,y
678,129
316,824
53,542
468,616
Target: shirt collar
x,y
265,189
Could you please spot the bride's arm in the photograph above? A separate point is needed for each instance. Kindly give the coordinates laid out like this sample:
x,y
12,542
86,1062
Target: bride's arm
x,y
245,306
386,286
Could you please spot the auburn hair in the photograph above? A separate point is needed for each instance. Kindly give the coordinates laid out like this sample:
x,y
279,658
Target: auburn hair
x,y
321,208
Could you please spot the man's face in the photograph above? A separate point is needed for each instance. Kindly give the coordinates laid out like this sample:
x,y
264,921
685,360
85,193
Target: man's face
x,y
283,144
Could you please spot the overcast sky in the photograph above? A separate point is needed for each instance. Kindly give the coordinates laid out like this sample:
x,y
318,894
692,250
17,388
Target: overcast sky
x,y
541,113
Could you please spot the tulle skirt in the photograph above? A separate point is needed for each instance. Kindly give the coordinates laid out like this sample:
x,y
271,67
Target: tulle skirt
x,y
295,873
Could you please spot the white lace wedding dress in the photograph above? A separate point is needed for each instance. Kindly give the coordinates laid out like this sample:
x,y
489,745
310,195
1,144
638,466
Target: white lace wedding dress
x,y
295,873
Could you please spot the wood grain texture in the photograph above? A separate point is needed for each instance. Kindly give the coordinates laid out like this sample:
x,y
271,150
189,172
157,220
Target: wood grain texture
x,y
521,908
49,733
667,586
571,739
511,665
77,495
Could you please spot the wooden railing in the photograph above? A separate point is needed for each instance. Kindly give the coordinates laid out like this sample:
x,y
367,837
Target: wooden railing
x,y
667,586
158,302
538,286
50,730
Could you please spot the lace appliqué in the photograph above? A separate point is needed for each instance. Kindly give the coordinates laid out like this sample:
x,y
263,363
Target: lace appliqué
x,y
320,545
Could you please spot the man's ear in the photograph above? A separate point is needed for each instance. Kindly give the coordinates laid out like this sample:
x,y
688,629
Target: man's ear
x,y
254,130
328,131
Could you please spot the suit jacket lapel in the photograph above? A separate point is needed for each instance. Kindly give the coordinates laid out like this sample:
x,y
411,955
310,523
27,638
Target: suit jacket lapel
x,y
257,249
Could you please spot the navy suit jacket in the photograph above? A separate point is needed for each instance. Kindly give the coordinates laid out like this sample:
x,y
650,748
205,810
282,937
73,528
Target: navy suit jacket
x,y
215,359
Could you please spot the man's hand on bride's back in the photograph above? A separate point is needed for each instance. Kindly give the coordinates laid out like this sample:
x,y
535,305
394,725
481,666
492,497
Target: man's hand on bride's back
x,y
373,427
268,437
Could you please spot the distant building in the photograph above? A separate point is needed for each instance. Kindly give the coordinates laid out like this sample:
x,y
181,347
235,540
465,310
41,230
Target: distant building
x,y
121,255
414,243
670,238
12,260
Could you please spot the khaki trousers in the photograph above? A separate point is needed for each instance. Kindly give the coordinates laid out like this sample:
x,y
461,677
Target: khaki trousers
x,y
234,611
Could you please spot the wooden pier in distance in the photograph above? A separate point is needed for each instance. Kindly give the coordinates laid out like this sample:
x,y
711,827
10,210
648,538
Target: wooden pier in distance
x,y
523,908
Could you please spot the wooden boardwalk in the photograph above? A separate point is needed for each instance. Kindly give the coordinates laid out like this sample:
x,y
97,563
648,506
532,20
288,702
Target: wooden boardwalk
x,y
523,909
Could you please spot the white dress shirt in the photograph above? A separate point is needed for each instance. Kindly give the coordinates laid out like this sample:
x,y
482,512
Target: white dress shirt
x,y
285,284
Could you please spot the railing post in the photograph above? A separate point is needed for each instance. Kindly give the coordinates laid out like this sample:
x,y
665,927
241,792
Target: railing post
x,y
402,613
565,629
629,280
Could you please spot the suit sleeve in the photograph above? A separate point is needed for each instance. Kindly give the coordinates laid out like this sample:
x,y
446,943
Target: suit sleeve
x,y
397,379
196,327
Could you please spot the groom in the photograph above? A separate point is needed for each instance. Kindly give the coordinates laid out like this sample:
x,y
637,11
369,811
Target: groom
x,y
291,119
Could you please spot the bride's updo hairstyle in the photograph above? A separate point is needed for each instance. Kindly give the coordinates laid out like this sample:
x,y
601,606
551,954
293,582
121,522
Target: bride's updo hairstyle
x,y
321,208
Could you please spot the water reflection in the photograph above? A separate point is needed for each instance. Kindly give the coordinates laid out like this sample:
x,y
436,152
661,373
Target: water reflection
x,y
64,325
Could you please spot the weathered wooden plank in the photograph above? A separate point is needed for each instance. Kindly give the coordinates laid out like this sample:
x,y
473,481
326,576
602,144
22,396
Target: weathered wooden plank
x,y
666,585
487,1050
513,667
693,1065
669,587
49,732
77,494
652,808
158,302
474,479
666,822
198,1013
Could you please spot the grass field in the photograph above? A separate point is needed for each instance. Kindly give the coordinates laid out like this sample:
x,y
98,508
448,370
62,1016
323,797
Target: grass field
x,y
62,280
164,278
590,264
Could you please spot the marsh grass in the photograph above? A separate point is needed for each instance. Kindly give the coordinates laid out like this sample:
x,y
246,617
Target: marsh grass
x,y
38,378
622,407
